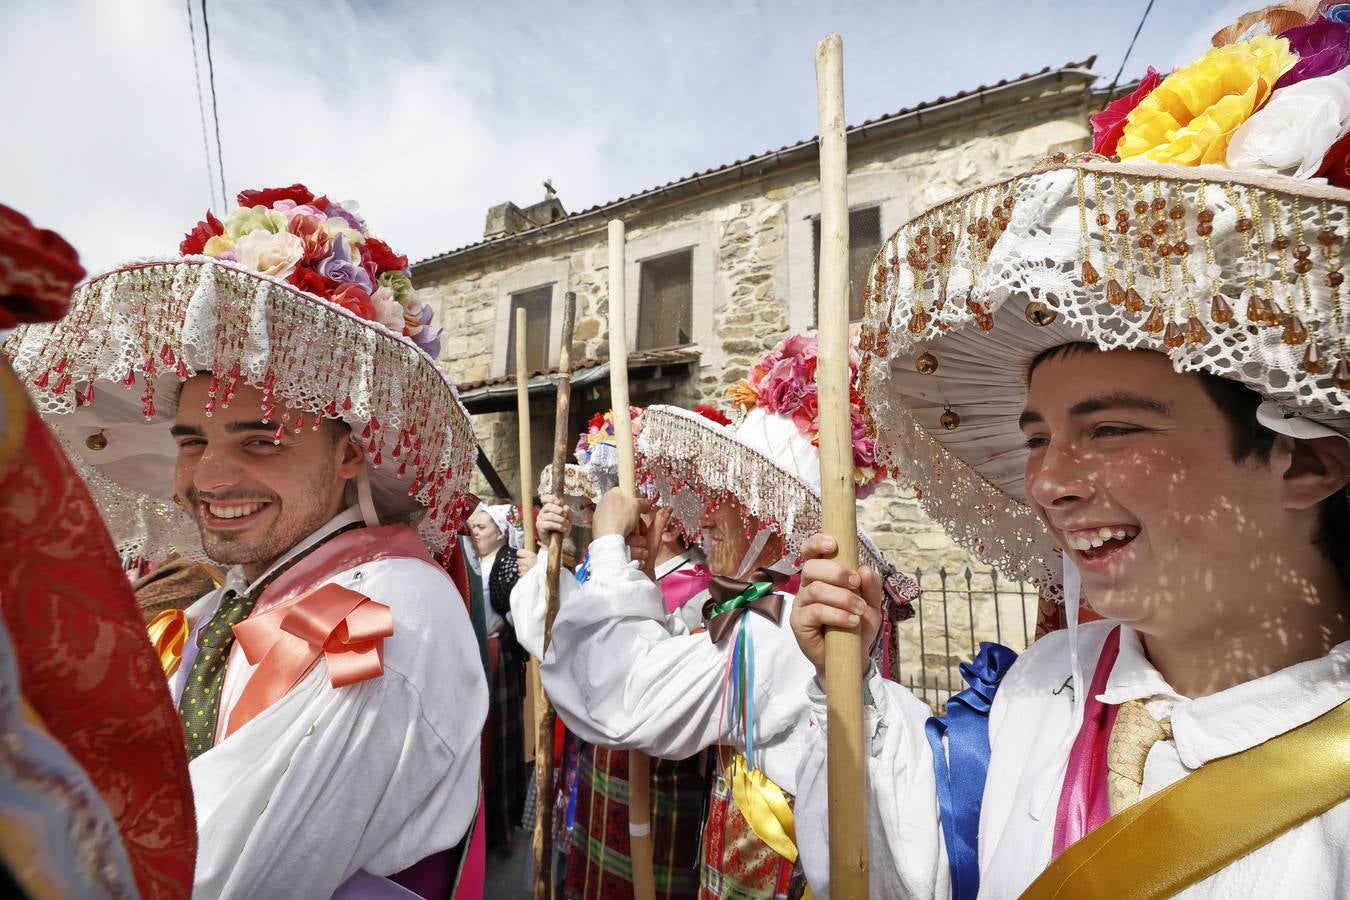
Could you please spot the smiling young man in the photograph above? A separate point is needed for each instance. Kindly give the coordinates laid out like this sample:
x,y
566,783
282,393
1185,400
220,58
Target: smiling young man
x,y
330,690
1189,486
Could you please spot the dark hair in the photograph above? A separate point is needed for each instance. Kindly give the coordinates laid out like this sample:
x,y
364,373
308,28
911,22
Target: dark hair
x,y
1249,438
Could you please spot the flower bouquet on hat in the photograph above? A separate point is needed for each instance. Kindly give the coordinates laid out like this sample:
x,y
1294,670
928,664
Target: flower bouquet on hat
x,y
768,461
289,294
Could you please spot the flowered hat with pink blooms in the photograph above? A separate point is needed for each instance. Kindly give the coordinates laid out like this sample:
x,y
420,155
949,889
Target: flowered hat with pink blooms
x,y
767,459
290,293
1207,223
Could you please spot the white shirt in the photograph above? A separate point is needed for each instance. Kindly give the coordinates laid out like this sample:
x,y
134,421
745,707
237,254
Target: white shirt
x,y
492,618
327,781
1028,727
623,674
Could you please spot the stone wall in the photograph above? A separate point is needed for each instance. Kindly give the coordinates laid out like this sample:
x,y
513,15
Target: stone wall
x,y
756,294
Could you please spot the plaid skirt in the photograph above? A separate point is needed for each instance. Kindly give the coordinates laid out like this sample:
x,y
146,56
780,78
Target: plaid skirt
x,y
737,865
505,775
600,863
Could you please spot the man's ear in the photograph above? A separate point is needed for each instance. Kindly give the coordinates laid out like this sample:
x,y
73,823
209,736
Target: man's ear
x,y
1318,468
352,459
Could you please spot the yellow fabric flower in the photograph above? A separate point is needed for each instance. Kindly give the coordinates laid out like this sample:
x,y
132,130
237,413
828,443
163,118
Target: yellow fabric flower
x,y
1188,119
742,394
218,244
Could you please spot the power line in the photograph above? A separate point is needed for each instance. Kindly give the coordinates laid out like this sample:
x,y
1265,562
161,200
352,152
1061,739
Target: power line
x,y
1111,93
215,112
201,109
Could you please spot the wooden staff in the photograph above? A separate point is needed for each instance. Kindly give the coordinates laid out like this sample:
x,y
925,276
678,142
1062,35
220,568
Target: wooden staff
x,y
639,766
843,647
543,754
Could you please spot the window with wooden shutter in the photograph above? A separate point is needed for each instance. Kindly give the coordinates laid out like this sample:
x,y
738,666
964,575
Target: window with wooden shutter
x,y
538,306
864,242
666,301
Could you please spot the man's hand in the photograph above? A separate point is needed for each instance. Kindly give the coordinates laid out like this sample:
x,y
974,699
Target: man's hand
x,y
622,515
829,598
525,561
647,546
554,518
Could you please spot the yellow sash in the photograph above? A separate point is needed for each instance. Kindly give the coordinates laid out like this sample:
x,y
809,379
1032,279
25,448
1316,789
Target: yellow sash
x,y
1194,827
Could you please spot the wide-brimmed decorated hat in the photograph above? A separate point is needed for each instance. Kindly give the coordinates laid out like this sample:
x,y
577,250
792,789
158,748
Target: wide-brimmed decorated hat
x,y
1215,241
290,294
767,460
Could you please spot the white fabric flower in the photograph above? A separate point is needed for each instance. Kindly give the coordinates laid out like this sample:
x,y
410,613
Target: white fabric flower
x,y
272,254
1291,133
388,311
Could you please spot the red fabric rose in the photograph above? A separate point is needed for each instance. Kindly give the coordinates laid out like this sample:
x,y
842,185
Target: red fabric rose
x,y
321,203
306,279
195,240
711,412
597,422
385,259
807,416
354,298
267,196
1109,124
1335,166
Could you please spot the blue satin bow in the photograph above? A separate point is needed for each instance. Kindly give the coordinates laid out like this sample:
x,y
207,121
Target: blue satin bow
x,y
961,767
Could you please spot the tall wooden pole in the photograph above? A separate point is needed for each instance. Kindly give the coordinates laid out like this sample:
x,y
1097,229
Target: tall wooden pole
x,y
843,648
544,713
639,766
543,762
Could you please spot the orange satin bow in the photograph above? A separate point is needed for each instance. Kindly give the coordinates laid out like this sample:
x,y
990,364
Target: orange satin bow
x,y
346,628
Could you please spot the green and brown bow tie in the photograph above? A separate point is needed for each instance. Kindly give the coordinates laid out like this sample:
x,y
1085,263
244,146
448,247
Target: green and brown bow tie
x,y
729,599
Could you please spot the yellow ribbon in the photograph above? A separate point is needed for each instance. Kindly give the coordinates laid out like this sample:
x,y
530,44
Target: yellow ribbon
x,y
765,807
1196,826
168,633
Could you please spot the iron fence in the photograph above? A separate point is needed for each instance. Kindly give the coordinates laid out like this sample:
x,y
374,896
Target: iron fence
x,y
954,614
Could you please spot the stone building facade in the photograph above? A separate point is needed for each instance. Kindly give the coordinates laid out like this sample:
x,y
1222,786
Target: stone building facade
x,y
719,267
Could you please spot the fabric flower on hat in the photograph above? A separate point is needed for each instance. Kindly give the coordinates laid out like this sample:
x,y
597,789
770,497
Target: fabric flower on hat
x,y
272,254
1109,124
317,242
1323,47
1335,166
1188,118
244,220
195,240
399,283
356,299
339,265
268,197
1293,132
388,311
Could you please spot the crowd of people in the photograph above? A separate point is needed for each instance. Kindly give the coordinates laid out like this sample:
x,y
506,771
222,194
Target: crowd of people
x,y
260,639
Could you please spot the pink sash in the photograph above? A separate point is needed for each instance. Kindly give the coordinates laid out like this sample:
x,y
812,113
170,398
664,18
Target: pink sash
x,y
1083,801
683,585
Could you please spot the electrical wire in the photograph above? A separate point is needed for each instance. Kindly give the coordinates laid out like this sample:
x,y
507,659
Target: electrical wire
x,y
1111,92
201,109
215,112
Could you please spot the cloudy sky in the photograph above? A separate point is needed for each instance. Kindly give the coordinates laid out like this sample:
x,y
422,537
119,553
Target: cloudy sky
x,y
429,113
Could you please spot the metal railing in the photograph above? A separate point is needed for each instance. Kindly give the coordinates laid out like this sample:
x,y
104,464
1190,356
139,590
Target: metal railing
x,y
955,613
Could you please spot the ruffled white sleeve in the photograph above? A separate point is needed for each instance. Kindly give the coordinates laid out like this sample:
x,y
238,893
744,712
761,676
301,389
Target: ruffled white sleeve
x,y
529,603
903,828
624,674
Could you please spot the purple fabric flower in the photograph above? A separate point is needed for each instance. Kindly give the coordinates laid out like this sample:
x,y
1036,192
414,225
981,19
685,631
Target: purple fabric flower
x,y
339,266
1323,47
349,217
785,395
427,340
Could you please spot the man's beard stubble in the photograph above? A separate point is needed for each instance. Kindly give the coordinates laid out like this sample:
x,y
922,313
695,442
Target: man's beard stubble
x,y
287,529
